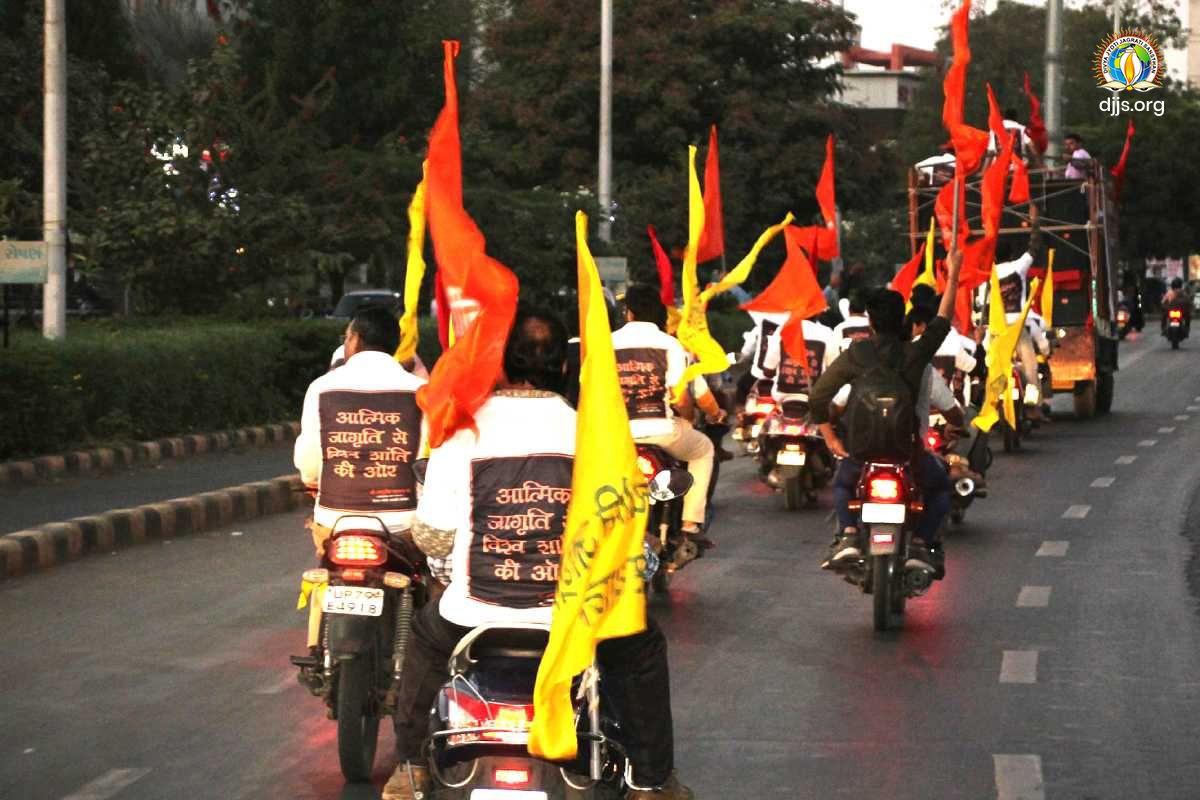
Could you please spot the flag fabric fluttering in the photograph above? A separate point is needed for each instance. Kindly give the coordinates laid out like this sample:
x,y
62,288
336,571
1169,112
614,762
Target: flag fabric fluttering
x,y
970,144
466,374
1118,172
712,239
943,209
826,195
414,274
904,279
795,290
666,280
1019,193
1036,129
1047,304
997,394
601,583
928,276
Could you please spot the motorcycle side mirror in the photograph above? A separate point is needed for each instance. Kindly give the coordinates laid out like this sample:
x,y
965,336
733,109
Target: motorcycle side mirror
x,y
669,484
419,467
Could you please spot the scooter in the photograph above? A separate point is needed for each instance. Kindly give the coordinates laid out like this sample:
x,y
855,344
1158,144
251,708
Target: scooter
x,y
759,405
793,455
1176,327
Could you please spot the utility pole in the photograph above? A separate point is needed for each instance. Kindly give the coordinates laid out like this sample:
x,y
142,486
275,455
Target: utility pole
x,y
604,187
54,171
1116,7
1054,79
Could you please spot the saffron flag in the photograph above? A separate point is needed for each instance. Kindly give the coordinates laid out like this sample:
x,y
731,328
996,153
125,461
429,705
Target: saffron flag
x,y
943,209
712,240
826,197
601,579
1047,304
970,143
413,275
795,290
903,281
1118,171
1019,193
465,375
1036,129
997,394
666,281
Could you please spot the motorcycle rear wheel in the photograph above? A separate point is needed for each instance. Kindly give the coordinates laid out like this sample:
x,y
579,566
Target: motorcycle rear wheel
x,y
358,729
793,494
881,591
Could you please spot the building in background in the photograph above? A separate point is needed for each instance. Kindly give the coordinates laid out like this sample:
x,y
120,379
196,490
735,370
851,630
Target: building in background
x,y
1193,48
882,85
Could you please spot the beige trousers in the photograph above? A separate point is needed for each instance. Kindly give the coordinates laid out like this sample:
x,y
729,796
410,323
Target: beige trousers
x,y
688,444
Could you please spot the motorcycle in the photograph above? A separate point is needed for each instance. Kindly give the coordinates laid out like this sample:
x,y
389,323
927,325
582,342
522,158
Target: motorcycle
x,y
759,405
793,456
966,473
888,506
1013,434
481,721
669,481
1124,318
368,586
1176,328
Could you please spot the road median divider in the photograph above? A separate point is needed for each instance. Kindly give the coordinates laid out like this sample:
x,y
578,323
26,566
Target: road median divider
x,y
56,543
104,459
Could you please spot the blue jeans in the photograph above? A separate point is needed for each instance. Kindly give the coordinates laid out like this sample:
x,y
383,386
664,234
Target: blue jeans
x,y
929,473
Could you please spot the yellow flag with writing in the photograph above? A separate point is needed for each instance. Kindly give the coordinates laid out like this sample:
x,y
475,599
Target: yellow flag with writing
x,y
927,277
601,579
1000,353
414,274
693,332
1047,306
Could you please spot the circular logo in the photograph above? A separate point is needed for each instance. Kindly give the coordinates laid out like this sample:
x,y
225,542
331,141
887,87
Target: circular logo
x,y
1129,61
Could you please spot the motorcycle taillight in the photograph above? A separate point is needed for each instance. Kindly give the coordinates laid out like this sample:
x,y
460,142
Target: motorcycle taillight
x,y
934,440
358,550
1175,313
648,465
764,406
495,722
885,487
511,776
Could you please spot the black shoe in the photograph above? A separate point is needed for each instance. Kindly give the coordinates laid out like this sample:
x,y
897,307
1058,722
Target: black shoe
x,y
939,560
843,551
921,556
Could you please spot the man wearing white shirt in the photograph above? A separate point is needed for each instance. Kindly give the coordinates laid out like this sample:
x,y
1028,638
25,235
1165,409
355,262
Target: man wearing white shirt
x,y
792,381
856,326
650,363
1014,290
754,349
1079,161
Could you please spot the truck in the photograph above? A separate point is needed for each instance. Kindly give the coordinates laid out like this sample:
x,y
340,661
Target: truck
x,y
1079,221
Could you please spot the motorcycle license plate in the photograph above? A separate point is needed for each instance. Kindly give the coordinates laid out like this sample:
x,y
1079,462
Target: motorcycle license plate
x,y
884,513
790,458
506,794
357,600
1176,323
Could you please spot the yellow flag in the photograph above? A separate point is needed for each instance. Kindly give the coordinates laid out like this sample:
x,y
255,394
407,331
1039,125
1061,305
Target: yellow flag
x,y
1000,353
928,277
997,320
1048,292
415,273
692,330
601,581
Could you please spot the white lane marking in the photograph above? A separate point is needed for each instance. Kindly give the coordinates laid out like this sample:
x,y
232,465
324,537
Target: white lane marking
x,y
1192,408
1033,597
235,533
28,751
1126,459
1053,549
1147,442
1019,777
286,681
1076,512
1182,417
108,784
1167,430
1103,483
1019,666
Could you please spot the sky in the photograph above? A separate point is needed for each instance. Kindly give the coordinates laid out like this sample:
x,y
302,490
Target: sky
x,y
917,23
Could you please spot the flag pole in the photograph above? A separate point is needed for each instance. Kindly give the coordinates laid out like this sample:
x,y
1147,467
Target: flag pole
x,y
954,234
604,185
838,263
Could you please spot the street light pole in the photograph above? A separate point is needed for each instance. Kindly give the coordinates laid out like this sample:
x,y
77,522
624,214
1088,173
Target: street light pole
x,y
54,171
1054,79
604,187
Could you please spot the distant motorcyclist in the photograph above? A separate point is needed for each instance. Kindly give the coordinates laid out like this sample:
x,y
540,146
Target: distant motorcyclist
x,y
1014,290
888,349
856,326
754,352
1177,298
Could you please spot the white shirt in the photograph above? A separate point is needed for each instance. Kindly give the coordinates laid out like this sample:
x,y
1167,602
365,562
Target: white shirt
x,y
339,357
790,378
374,382
1014,286
1073,172
1036,325
650,363
848,331
764,326
522,440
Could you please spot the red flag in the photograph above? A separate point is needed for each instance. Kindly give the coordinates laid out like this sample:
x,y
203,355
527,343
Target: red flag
x,y
712,239
992,187
970,143
962,310
443,310
1036,129
795,290
1119,170
903,280
465,375
943,209
666,280
1019,193
826,198
818,242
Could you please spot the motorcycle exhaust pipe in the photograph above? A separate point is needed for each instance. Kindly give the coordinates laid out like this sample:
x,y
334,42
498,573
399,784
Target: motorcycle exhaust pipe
x,y
964,487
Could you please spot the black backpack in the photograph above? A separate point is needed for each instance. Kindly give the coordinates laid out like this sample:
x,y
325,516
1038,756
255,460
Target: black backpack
x,y
881,418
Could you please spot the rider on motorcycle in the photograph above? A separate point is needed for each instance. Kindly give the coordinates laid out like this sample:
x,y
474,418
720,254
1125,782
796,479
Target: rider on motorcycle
x,y
886,346
1177,297
525,433
1014,288
650,363
855,326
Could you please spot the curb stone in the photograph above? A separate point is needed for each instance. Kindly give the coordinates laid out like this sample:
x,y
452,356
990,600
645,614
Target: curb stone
x,y
56,543
102,459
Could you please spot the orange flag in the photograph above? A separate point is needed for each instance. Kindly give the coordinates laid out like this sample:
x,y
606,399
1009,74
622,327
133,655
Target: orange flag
x,y
1019,193
712,239
903,281
970,143
796,291
465,375
943,209
1037,127
826,197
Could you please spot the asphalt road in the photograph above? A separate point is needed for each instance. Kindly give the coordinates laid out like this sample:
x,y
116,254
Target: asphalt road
x,y
23,507
1057,660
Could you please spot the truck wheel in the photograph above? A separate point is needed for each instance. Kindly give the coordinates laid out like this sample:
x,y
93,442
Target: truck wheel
x,y
1085,399
1104,392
